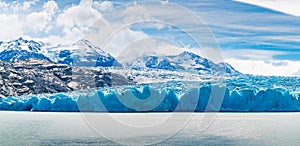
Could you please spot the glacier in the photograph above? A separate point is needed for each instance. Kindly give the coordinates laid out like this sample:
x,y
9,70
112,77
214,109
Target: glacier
x,y
137,99
82,77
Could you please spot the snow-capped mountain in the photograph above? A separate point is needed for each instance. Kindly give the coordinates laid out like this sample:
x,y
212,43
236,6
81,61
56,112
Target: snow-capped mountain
x,y
21,49
185,61
81,53
84,53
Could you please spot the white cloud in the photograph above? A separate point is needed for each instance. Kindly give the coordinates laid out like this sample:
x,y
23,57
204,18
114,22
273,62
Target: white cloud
x,y
104,6
291,38
151,25
50,7
53,40
122,39
19,19
133,14
3,5
286,6
12,19
16,7
112,32
11,27
77,20
260,62
28,4
251,54
38,21
148,46
270,67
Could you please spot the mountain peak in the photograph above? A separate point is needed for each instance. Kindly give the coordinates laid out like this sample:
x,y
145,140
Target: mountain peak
x,y
21,44
187,53
20,49
82,41
84,53
187,61
89,46
20,38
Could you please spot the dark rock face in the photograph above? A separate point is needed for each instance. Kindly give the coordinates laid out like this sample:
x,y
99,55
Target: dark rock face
x,y
35,76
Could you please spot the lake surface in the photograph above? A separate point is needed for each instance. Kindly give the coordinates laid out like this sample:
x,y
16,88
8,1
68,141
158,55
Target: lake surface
x,y
38,128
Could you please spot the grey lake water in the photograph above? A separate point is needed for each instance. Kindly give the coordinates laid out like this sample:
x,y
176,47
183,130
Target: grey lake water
x,y
48,128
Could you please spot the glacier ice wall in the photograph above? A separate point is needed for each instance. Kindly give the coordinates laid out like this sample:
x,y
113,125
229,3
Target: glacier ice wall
x,y
149,99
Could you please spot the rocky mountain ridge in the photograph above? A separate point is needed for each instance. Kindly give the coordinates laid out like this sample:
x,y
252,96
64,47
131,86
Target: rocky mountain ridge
x,y
36,76
84,53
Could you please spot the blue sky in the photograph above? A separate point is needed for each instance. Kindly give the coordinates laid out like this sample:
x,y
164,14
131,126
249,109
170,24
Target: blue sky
x,y
249,35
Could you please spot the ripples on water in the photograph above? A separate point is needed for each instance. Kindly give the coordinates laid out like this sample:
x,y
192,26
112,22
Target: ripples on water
x,y
29,128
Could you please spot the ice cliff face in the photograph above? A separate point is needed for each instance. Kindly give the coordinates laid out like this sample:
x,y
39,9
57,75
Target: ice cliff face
x,y
194,99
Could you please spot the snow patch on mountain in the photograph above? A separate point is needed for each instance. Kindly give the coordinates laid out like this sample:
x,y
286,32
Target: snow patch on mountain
x,y
21,49
82,53
184,61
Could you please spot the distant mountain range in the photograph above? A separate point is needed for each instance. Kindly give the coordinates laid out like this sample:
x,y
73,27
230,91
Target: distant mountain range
x,y
84,53
184,61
